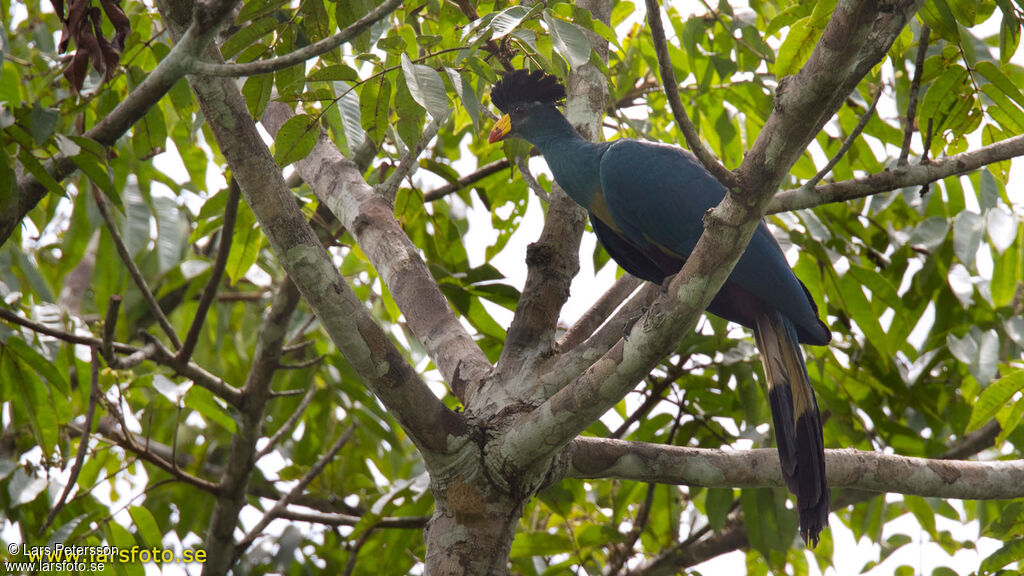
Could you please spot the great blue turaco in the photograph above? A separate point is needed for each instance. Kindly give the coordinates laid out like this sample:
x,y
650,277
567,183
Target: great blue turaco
x,y
646,202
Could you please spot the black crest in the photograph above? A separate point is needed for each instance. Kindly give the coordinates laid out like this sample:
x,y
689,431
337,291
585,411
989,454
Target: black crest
x,y
523,86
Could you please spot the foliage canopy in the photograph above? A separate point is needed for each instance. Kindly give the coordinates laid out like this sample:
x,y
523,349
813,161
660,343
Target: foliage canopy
x,y
921,285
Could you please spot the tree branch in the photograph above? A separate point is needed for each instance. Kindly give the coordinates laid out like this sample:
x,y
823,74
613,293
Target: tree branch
x,y
333,519
110,431
202,25
133,270
216,273
481,173
389,187
242,455
593,318
301,55
299,487
871,471
847,143
154,351
668,80
83,444
900,177
570,365
434,428
340,186
289,424
915,88
734,535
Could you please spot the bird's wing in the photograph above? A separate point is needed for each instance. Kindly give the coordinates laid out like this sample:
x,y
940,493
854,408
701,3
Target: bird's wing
x,y
625,253
657,196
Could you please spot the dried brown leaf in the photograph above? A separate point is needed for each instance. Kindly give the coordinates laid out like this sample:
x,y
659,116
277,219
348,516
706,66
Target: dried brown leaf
x,y
117,17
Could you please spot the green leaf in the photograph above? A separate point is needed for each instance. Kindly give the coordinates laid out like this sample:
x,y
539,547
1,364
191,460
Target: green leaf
x,y
1012,551
923,512
857,306
942,97
1009,418
1006,273
333,73
968,230
171,229
348,105
135,225
994,397
719,501
507,20
797,47
40,364
938,16
36,168
965,11
296,139
203,401
94,166
993,74
246,35
43,121
1009,37
257,91
570,41
245,244
529,544
148,529
121,538
375,107
426,87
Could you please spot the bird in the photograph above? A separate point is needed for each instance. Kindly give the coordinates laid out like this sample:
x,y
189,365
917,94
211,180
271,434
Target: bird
x,y
646,202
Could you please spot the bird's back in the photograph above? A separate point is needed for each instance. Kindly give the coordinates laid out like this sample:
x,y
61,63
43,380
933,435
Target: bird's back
x,y
657,196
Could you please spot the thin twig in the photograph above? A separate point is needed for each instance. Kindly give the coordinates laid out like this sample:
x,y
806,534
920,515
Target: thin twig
x,y
133,270
63,335
927,143
127,441
83,445
668,80
109,326
338,519
301,364
353,556
282,504
531,182
915,87
481,173
864,119
599,312
301,55
389,187
289,424
286,393
740,40
216,273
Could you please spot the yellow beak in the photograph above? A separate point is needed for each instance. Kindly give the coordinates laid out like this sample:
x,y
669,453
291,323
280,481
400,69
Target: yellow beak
x,y
501,129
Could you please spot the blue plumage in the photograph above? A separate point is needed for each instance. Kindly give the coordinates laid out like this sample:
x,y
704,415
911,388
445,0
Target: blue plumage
x,y
647,202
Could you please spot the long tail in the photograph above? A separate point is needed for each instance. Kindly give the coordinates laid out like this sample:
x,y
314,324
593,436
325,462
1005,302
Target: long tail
x,y
797,421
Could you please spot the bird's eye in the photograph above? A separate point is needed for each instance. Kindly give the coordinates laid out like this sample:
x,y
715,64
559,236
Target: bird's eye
x,y
518,109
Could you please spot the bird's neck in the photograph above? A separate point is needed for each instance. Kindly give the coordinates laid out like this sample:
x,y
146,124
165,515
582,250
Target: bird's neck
x,y
574,161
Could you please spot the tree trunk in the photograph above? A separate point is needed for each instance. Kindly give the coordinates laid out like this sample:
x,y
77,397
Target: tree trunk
x,y
472,528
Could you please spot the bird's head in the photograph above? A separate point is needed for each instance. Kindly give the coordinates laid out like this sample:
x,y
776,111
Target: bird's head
x,y
528,99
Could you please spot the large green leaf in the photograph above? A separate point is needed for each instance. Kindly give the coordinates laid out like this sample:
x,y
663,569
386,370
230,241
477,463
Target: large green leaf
x,y
426,87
